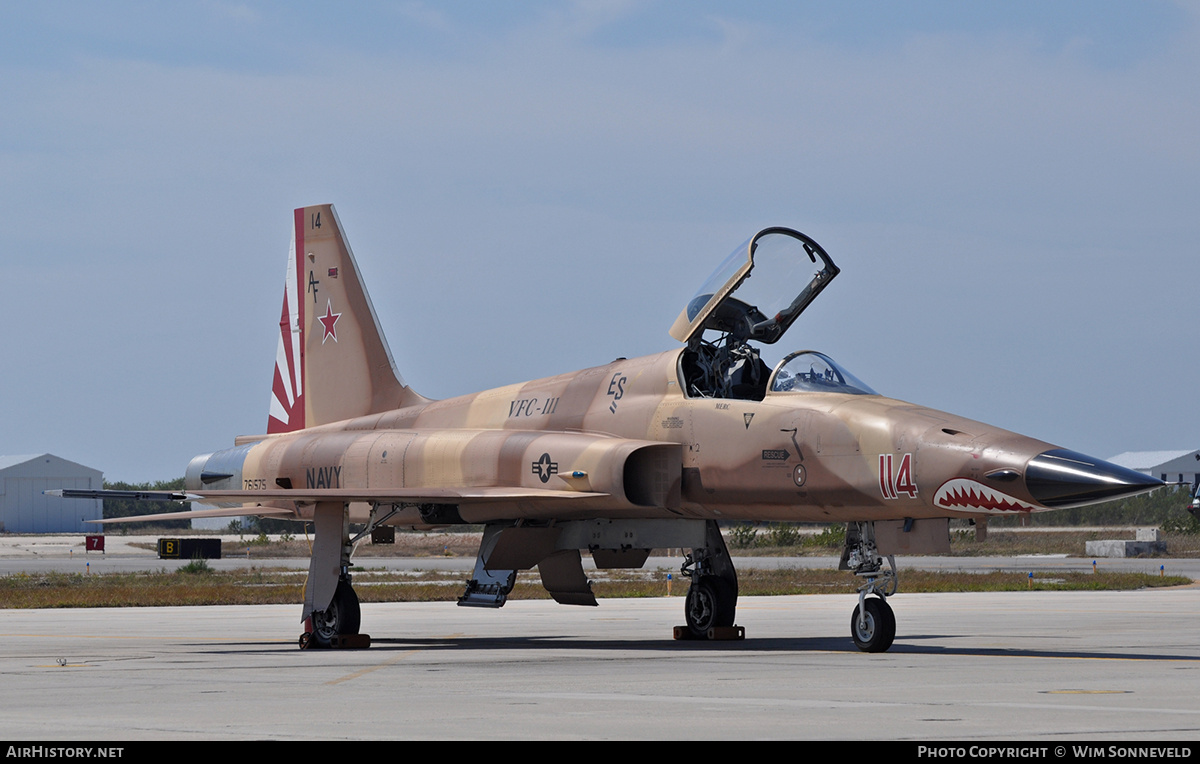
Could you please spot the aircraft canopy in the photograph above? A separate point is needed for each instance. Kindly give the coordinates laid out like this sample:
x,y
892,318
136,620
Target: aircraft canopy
x,y
760,289
810,371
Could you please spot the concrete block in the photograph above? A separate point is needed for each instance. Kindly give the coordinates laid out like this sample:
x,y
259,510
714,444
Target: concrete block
x,y
1125,548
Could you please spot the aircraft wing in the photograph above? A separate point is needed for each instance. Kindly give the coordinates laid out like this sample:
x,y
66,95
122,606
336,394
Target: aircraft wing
x,y
396,495
251,502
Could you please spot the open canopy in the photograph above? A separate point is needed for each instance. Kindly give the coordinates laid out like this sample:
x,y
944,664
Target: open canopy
x,y
760,289
753,297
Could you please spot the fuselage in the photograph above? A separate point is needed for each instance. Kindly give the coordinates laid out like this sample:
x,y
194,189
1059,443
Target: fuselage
x,y
705,431
792,456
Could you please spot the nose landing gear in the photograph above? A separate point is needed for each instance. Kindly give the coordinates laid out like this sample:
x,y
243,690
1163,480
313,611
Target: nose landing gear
x,y
873,625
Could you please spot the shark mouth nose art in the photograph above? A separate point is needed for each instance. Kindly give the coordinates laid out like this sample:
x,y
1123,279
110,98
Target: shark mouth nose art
x,y
966,494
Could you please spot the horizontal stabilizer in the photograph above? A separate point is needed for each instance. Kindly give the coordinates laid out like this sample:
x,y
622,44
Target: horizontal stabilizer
x,y
194,514
71,493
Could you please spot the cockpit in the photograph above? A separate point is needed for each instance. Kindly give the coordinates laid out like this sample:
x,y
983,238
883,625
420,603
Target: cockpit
x,y
810,371
754,296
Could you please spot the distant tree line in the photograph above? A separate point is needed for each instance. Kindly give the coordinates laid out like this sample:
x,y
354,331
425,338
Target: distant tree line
x,y
258,525
130,508
1165,508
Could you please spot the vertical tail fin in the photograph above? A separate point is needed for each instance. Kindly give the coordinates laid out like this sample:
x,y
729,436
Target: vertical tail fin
x,y
333,362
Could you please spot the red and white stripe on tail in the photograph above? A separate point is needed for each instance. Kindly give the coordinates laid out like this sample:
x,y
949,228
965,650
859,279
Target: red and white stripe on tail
x,y
287,389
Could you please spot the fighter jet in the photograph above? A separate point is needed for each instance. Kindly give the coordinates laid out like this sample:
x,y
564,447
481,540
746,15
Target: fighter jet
x,y
622,458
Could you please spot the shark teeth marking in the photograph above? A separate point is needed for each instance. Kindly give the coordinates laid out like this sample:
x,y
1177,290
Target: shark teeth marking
x,y
961,493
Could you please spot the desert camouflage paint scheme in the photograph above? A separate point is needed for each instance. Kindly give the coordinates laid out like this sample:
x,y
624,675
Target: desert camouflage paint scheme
x,y
620,458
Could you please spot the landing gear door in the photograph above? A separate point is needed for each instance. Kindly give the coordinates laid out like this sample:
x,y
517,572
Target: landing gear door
x,y
759,290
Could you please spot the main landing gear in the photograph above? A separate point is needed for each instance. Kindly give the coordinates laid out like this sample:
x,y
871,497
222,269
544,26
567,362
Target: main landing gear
x,y
873,625
331,612
712,598
338,622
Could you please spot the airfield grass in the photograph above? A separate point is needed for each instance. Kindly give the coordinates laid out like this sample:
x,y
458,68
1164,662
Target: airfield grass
x,y
999,543
197,584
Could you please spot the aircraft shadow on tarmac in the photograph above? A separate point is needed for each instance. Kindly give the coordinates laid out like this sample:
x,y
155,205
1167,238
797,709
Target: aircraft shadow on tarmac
x,y
768,645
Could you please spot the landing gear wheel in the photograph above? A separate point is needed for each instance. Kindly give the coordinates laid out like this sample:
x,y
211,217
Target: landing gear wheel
x,y
710,603
878,631
341,617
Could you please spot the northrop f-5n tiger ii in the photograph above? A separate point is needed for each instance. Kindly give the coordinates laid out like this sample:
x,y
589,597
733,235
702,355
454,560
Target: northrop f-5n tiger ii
x,y
618,459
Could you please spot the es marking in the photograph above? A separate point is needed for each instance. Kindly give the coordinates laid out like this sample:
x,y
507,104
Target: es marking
x,y
616,389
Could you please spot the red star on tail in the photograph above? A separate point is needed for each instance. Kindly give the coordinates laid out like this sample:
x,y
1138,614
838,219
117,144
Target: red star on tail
x,y
329,321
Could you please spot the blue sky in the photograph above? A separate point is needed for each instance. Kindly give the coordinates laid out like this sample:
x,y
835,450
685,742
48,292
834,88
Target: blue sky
x,y
1010,190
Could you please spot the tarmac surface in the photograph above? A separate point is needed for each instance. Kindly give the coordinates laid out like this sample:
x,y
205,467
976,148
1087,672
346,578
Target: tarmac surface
x,y
1051,666
968,667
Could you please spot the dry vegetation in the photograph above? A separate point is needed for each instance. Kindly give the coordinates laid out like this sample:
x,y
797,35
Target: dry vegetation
x,y
1007,543
196,584
999,543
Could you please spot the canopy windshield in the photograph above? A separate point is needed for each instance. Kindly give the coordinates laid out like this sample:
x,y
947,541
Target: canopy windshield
x,y
759,290
809,371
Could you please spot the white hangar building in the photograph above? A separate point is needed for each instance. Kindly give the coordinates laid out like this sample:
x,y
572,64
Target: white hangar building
x,y
1171,466
25,509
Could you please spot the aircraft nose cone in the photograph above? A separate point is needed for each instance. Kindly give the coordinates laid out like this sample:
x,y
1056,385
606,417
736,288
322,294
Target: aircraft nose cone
x,y
1062,478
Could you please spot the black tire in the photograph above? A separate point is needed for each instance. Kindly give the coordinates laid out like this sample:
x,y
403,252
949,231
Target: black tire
x,y
710,603
343,616
880,629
